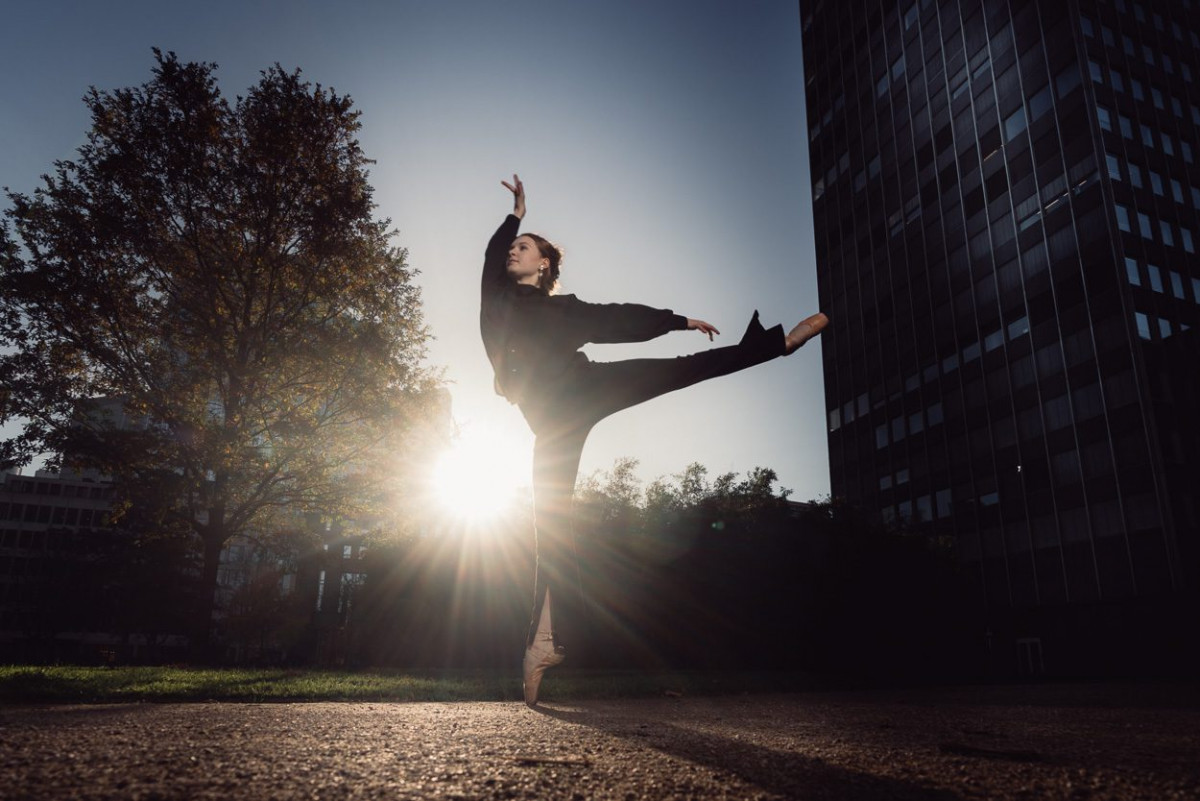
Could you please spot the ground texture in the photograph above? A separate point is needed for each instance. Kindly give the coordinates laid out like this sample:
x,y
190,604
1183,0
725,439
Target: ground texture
x,y
1066,742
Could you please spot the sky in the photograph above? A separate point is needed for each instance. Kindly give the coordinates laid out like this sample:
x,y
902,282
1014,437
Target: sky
x,y
662,144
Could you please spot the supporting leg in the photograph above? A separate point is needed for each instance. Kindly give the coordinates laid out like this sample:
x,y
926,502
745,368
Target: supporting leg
x,y
558,602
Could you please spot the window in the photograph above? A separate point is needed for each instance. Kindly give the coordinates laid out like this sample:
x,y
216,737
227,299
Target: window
x,y
881,439
1147,136
1018,327
1104,117
1187,151
1096,71
1040,103
1186,236
1067,81
1164,327
835,419
1157,97
1156,183
1122,218
1136,85
1114,166
1177,285
943,503
1164,228
1168,145
1057,412
961,86
1135,174
1148,55
933,415
916,423
1131,270
898,67
924,509
1155,278
993,340
1014,124
1144,226
1126,127
881,86
1088,29
1176,191
1117,81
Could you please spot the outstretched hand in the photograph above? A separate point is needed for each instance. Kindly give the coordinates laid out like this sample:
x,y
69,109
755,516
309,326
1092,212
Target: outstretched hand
x,y
518,190
703,328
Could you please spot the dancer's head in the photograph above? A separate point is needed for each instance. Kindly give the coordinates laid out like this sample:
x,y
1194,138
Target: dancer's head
x,y
536,261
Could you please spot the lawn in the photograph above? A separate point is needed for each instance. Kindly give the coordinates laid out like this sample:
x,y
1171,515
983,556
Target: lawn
x,y
66,684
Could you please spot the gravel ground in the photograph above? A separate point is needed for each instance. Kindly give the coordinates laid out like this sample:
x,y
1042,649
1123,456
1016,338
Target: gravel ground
x,y
1068,742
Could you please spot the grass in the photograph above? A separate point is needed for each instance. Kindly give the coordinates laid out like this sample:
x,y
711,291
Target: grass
x,y
65,684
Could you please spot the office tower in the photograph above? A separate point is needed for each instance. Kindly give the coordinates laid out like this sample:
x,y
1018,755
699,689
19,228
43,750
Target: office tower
x,y
1006,202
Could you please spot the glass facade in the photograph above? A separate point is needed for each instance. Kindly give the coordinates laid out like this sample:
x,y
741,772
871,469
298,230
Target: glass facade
x,y
1005,203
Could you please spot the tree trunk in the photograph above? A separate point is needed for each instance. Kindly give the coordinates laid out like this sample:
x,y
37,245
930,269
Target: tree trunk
x,y
206,602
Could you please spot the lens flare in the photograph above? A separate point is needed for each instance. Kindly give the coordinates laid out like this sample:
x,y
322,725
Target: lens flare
x,y
478,477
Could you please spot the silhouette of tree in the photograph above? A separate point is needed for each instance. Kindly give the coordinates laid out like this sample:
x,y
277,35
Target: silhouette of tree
x,y
216,270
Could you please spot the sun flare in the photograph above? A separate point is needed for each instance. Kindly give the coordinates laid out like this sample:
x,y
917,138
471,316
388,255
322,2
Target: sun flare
x,y
479,476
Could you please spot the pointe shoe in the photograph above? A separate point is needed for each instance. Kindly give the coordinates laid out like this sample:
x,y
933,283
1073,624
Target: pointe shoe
x,y
539,657
541,654
805,330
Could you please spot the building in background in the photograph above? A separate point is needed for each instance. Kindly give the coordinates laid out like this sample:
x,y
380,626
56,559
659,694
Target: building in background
x,y
1007,210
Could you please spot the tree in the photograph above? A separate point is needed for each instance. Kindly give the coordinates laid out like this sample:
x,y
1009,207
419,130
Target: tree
x,y
215,270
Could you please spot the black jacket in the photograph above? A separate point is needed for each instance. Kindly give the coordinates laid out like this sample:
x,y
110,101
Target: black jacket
x,y
532,339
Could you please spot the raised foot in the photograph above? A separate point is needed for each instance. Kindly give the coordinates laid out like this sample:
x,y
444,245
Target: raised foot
x,y
805,330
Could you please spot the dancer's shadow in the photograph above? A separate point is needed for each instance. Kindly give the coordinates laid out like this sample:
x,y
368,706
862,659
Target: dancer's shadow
x,y
778,771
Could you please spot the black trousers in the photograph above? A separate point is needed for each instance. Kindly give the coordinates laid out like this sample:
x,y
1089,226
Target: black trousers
x,y
561,419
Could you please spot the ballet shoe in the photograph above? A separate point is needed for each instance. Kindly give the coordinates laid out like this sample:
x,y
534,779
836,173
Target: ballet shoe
x,y
805,330
539,657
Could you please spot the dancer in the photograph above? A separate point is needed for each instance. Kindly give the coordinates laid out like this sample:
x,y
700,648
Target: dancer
x,y
532,338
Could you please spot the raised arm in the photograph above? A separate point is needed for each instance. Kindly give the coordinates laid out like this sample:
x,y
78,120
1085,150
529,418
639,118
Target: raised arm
x,y
495,272
518,190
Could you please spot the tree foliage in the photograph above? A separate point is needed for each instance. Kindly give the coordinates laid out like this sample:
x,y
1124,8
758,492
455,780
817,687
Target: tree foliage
x,y
215,270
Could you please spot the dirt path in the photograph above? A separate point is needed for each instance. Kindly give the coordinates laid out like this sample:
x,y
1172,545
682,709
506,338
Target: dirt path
x,y
993,743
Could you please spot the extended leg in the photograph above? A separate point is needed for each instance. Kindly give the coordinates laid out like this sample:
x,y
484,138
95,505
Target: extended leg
x,y
611,386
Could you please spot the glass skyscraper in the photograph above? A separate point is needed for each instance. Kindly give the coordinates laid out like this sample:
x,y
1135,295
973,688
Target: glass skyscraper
x,y
1007,210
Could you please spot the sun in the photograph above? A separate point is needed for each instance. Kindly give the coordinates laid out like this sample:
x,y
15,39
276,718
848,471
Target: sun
x,y
479,476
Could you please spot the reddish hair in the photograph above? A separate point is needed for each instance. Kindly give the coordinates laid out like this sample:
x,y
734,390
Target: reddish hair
x,y
548,281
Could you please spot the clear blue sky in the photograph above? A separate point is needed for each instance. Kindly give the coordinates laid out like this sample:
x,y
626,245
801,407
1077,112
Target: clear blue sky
x,y
661,143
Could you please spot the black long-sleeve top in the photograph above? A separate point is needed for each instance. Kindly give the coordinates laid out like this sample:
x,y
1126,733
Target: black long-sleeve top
x,y
532,339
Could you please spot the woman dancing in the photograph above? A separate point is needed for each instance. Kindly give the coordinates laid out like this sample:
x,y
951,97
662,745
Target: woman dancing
x,y
532,338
